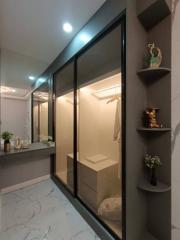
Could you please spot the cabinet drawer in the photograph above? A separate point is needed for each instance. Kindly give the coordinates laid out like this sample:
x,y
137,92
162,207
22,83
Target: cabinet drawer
x,y
87,176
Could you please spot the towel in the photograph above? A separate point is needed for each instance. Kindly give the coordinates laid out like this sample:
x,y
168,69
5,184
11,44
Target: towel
x,y
117,123
97,158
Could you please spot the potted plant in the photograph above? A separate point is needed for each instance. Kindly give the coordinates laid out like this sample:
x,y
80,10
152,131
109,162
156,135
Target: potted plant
x,y
6,136
152,163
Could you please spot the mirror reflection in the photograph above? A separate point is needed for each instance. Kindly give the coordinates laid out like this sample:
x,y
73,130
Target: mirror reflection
x,y
18,74
40,99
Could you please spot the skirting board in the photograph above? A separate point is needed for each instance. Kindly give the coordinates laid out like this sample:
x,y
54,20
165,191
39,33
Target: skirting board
x,y
24,184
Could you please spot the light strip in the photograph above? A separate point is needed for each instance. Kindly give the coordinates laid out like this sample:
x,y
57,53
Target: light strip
x,y
107,92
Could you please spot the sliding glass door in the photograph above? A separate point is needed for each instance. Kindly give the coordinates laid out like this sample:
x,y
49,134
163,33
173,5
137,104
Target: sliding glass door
x,y
89,113
64,112
99,157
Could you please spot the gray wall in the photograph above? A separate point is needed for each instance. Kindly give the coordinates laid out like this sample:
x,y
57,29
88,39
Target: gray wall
x,y
14,117
176,122
22,167
135,144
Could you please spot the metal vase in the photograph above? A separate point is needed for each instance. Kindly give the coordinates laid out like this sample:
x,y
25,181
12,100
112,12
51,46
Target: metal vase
x,y
7,147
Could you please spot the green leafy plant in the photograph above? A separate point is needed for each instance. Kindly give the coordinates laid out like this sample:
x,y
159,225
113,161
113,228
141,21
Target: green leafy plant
x,y
152,162
6,136
50,139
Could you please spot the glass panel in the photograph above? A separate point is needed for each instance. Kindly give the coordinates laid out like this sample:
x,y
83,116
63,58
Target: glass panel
x,y
99,130
64,125
40,113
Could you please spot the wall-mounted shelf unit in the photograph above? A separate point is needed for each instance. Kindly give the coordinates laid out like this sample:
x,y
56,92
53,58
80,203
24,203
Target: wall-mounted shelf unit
x,y
143,129
147,187
155,17
151,12
153,73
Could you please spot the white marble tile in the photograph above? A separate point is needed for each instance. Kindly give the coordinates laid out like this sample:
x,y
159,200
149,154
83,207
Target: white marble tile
x,y
41,212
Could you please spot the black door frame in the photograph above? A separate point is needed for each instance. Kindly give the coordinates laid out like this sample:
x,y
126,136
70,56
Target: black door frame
x,y
73,197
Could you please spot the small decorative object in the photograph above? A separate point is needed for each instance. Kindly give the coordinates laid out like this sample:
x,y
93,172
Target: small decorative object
x,y
6,136
49,142
152,163
155,56
25,144
21,144
18,144
150,118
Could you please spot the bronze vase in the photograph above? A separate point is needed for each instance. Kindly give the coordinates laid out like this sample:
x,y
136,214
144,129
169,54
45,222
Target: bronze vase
x,y
7,147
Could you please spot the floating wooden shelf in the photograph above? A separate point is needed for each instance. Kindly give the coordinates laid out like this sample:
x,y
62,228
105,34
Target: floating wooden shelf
x,y
153,73
148,236
160,188
142,129
152,12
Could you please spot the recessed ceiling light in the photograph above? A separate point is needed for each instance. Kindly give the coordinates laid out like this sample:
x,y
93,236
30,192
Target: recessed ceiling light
x,y
67,27
31,77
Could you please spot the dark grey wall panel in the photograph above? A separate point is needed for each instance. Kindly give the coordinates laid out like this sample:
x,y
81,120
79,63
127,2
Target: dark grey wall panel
x,y
136,213
159,95
19,168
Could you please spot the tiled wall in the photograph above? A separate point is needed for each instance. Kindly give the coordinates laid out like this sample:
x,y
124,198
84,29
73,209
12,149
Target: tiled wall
x,y
176,121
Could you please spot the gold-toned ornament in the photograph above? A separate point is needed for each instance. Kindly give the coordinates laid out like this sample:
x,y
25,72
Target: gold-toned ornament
x,y
151,118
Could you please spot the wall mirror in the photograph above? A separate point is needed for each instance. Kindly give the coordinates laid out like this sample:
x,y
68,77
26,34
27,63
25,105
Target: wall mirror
x,y
18,74
40,99
95,103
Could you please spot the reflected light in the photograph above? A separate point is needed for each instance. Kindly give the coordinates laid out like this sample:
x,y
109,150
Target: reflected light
x,y
4,89
41,80
84,37
41,95
62,98
85,90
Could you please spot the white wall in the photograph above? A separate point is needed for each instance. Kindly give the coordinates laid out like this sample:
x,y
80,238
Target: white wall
x,y
176,123
96,127
43,121
14,115
28,119
64,132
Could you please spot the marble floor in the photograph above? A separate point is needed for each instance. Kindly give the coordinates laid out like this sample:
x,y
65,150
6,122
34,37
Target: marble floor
x,y
41,212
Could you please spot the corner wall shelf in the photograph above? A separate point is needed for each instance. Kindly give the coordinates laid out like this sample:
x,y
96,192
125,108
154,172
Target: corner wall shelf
x,y
142,129
160,188
153,73
148,236
152,12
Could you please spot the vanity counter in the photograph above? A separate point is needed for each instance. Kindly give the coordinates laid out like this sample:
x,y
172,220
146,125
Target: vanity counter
x,y
34,147
24,167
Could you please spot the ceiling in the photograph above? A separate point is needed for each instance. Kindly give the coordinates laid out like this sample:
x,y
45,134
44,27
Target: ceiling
x,y
34,27
31,35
